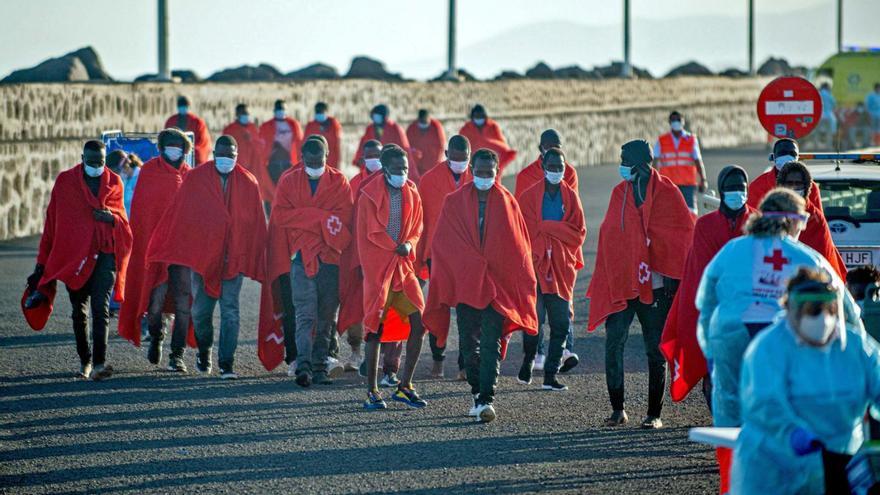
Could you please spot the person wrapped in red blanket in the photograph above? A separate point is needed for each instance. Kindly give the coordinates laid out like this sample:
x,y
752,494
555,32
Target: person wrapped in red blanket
x,y
216,227
187,121
85,244
157,289
387,131
308,229
250,147
427,138
483,132
796,176
643,242
327,126
282,137
557,229
481,265
389,226
445,178
784,150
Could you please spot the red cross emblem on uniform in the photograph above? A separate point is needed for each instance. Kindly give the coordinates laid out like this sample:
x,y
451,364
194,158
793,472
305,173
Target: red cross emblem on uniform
x,y
777,260
644,272
334,225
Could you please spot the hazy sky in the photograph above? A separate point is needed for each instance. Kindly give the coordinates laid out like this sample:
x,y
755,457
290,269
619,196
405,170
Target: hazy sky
x,y
207,35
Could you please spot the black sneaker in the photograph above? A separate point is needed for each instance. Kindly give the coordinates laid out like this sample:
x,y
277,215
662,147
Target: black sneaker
x,y
101,372
154,353
409,397
203,363
321,378
304,379
228,374
554,385
176,364
617,418
569,361
525,372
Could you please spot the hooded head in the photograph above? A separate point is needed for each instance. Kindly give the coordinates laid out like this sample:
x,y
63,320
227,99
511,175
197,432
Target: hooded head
x,y
636,156
733,186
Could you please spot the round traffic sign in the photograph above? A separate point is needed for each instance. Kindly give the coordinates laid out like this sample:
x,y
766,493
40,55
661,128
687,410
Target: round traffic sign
x,y
789,107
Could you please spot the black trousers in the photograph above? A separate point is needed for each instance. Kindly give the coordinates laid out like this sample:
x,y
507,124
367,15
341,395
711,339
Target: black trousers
x,y
288,321
557,310
479,340
179,284
94,295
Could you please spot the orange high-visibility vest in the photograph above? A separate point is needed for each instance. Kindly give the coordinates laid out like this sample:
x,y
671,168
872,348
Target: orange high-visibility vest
x,y
677,163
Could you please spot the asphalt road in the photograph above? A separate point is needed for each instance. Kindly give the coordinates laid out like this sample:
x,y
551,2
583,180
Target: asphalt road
x,y
149,431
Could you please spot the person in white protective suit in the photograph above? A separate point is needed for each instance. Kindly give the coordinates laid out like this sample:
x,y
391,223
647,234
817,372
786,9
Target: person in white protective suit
x,y
806,383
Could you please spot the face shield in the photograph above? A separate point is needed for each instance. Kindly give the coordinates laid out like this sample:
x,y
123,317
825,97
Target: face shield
x,y
815,313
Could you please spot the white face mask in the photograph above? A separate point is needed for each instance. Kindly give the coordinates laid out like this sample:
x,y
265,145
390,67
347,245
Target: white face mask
x,y
675,125
484,183
173,153
424,125
458,167
817,330
373,164
780,161
554,177
395,181
314,173
94,171
224,164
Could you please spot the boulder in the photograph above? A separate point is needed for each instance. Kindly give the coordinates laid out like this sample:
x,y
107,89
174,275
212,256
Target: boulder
x,y
262,72
461,76
508,75
314,71
368,68
576,72
616,69
779,67
540,71
80,65
691,68
733,72
183,75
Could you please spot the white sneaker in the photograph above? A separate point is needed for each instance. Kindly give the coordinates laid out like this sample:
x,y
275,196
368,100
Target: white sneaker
x,y
228,375
539,363
291,368
85,371
335,369
485,413
354,361
473,411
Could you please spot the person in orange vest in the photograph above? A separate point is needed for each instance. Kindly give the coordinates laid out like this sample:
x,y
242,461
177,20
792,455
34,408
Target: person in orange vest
x,y
678,157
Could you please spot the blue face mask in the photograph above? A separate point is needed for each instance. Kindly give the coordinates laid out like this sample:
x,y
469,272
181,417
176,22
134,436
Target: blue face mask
x,y
244,119
626,173
183,110
321,117
395,181
735,199
479,122
484,183
378,118
280,114
224,164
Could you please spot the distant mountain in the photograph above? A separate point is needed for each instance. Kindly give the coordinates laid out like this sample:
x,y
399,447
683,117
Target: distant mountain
x,y
803,37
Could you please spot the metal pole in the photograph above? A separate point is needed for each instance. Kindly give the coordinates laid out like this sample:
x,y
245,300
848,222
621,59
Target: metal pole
x,y
839,26
451,71
164,73
627,66
752,37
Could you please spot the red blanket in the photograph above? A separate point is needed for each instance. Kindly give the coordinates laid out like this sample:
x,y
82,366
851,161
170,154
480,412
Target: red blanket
x,y
679,342
195,124
267,136
497,271
392,133
491,137
157,184
217,234
634,242
72,238
384,270
433,188
534,173
250,154
428,144
767,181
556,246
331,129
316,226
818,237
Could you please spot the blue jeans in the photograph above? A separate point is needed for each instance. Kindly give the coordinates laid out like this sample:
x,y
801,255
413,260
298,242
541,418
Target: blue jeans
x,y
203,318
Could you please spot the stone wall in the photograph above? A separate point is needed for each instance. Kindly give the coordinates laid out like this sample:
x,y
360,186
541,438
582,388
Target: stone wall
x,y
42,126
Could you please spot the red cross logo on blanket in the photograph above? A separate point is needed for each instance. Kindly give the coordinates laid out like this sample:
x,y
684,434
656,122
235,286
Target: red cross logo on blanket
x,y
334,225
777,260
644,272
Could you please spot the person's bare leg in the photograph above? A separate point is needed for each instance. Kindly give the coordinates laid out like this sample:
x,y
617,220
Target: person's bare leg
x,y
413,349
372,358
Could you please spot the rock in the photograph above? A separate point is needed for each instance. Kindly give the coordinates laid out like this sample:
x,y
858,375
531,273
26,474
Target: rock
x,y
80,65
508,75
616,68
733,72
368,68
779,67
691,68
62,69
461,76
540,71
314,71
182,75
576,72
262,72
